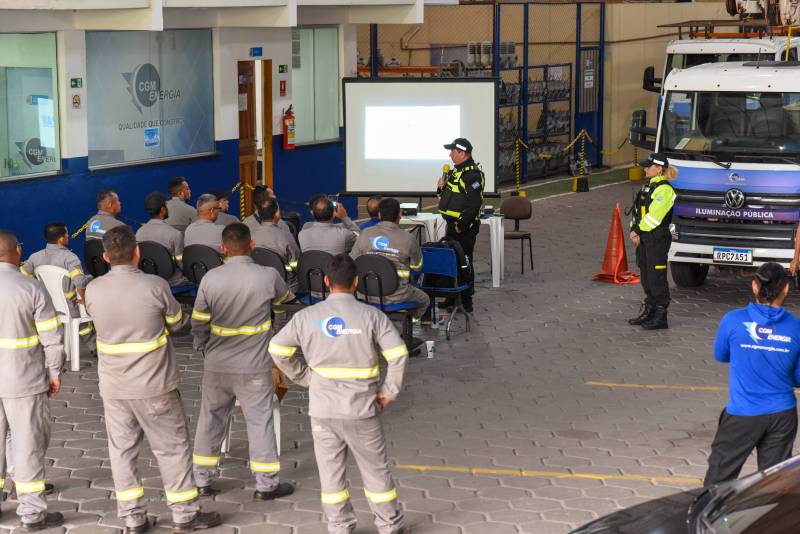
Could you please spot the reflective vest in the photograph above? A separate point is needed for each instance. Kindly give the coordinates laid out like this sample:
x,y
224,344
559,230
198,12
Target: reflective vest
x,y
644,200
454,197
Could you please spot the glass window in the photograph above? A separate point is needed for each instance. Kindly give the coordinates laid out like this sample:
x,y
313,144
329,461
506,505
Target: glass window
x,y
28,105
315,84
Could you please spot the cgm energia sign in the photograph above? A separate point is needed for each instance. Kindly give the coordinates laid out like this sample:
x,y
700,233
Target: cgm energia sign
x,y
144,85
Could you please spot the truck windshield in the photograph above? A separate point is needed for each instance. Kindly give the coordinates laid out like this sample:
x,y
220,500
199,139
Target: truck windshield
x,y
684,61
728,124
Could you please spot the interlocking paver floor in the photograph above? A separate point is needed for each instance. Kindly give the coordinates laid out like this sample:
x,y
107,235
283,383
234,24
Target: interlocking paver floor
x,y
499,432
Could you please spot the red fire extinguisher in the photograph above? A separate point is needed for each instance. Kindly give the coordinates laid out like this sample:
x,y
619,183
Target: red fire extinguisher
x,y
288,129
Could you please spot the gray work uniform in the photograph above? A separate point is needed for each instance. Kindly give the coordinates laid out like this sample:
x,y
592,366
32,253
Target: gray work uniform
x,y
231,326
272,237
32,351
101,223
339,337
252,221
389,240
224,219
204,232
133,314
160,232
329,237
180,214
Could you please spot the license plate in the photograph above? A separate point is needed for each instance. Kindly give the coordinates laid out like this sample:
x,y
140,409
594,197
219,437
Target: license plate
x,y
742,256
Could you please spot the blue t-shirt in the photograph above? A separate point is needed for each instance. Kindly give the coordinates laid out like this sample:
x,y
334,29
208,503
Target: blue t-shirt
x,y
369,223
762,345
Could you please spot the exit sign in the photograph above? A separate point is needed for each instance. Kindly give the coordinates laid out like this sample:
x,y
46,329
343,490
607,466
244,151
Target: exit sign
x,y
283,69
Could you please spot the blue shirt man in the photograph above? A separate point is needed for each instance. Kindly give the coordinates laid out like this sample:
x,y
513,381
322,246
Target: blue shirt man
x,y
372,210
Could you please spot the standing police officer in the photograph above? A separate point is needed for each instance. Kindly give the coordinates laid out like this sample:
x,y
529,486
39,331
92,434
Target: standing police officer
x,y
460,194
652,214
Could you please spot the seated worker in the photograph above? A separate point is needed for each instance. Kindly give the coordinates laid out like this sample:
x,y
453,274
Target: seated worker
x,y
323,234
372,211
388,239
260,193
205,231
181,214
158,231
108,207
223,217
270,236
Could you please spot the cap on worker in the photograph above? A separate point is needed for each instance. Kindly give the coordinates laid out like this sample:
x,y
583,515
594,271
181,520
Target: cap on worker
x,y
460,144
656,158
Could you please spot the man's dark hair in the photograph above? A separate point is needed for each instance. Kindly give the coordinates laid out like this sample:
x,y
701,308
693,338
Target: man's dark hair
x,y
54,231
372,205
322,209
103,195
342,271
219,193
259,194
154,202
771,279
268,209
389,209
119,244
236,237
175,185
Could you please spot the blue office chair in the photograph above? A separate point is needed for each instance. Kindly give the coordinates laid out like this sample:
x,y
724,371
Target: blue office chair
x,y
198,260
311,267
439,278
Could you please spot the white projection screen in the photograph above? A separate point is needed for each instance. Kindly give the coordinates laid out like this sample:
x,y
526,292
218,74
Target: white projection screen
x,y
395,129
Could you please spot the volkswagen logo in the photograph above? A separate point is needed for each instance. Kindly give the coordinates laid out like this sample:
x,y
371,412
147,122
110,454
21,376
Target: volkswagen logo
x,y
734,199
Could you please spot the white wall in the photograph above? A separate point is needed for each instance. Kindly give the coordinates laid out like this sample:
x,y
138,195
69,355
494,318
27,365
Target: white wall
x,y
71,59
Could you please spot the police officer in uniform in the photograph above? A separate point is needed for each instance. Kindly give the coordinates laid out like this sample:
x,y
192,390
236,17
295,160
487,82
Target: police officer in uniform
x,y
272,237
32,352
652,214
460,194
339,337
158,231
231,327
134,313
108,207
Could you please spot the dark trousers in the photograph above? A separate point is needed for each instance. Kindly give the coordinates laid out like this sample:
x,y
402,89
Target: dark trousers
x,y
467,241
771,435
651,257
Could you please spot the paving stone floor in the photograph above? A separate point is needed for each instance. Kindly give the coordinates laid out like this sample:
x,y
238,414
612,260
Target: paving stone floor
x,y
508,399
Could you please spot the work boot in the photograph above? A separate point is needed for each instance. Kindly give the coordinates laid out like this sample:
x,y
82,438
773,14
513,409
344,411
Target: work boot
x,y
137,529
52,519
281,490
645,313
201,521
658,321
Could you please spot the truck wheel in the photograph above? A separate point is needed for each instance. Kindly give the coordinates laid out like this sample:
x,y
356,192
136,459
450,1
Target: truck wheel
x,y
688,274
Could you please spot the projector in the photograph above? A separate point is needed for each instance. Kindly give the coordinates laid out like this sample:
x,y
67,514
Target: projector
x,y
409,208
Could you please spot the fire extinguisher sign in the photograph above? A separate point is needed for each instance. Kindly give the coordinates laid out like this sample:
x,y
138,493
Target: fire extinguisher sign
x,y
282,87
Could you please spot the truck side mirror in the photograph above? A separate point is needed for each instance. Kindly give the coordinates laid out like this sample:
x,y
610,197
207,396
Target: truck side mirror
x,y
650,82
639,132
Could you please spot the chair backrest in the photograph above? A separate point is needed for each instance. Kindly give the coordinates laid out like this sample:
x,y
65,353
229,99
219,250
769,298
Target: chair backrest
x,y
93,257
377,276
53,279
198,260
156,259
311,269
516,208
292,219
269,258
439,261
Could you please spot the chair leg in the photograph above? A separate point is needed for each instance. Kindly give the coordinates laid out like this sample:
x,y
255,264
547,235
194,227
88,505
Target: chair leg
x,y
530,249
522,255
75,346
276,421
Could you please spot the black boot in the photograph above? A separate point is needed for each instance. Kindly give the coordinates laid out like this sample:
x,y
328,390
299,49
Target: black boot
x,y
282,490
201,521
658,321
645,313
52,519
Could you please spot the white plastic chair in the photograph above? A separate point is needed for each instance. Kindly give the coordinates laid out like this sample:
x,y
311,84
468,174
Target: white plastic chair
x,y
53,279
276,421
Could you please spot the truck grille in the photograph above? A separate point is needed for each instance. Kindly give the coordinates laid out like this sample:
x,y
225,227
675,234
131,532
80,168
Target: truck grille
x,y
752,200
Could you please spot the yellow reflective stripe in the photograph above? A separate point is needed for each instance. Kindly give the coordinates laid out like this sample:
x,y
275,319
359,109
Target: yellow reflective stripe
x,y
49,324
181,496
293,264
284,297
19,343
201,316
335,498
347,372
175,319
661,266
2,483
208,461
386,496
178,257
450,213
131,348
416,267
242,330
130,494
402,273
23,271
396,352
30,487
265,467
76,272
284,351
85,330
69,294
652,220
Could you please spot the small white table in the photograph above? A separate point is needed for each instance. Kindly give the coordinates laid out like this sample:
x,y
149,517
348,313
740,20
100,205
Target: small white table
x,y
432,223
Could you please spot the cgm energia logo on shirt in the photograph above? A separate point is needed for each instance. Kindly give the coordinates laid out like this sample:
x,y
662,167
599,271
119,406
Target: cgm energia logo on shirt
x,y
334,327
764,333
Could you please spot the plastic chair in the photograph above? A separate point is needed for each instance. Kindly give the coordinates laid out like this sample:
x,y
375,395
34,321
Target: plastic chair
x,y
93,257
276,421
198,260
270,258
311,267
443,263
53,279
377,278
156,259
518,209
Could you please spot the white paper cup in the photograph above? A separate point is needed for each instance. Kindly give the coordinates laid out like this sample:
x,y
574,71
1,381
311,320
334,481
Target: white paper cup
x,y
429,346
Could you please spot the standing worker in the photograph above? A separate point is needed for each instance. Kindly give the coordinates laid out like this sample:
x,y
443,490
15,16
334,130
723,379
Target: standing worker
x,y
32,351
338,338
133,314
652,214
460,193
231,327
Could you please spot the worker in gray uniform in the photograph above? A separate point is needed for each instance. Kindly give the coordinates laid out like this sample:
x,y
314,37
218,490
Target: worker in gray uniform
x,y
223,217
158,231
108,207
204,231
401,248
270,236
231,326
260,194
338,338
32,352
323,234
139,385
181,214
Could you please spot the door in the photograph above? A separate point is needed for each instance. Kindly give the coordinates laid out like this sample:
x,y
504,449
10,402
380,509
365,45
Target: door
x,y
248,142
266,122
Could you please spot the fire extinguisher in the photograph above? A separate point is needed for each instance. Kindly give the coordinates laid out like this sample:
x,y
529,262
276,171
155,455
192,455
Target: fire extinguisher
x,y
288,129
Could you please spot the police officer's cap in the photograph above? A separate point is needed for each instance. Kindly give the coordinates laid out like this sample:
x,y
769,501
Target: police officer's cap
x,y
656,158
460,144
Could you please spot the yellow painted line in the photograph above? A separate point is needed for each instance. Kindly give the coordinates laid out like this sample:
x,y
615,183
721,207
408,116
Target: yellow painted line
x,y
655,386
545,474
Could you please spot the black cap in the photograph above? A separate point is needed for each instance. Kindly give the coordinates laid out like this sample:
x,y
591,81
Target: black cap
x,y
219,193
656,158
154,202
460,144
771,273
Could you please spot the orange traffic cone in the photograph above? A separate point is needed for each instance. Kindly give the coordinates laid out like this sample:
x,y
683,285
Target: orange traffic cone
x,y
615,263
